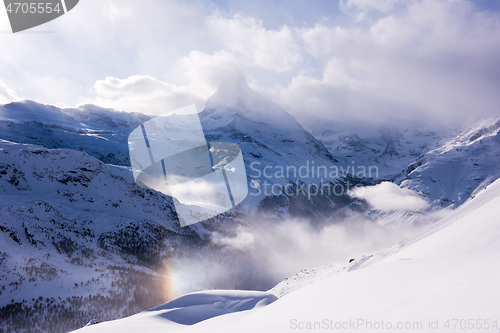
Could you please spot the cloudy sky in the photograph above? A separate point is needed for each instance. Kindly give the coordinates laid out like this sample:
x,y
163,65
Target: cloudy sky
x,y
353,59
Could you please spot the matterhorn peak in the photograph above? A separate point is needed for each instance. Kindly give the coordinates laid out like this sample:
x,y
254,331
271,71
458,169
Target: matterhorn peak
x,y
235,97
233,89
234,80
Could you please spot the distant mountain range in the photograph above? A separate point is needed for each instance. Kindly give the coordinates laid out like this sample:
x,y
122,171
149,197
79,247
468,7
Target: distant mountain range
x,y
80,239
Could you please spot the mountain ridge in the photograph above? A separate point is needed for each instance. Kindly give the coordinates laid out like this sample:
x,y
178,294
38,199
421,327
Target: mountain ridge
x,y
57,211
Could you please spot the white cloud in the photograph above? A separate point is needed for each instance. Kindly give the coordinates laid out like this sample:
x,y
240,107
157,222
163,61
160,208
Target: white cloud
x,y
276,50
413,59
7,95
197,77
282,249
388,196
323,41
116,12
434,59
143,94
202,72
118,38
361,10
384,6
244,239
4,21
265,253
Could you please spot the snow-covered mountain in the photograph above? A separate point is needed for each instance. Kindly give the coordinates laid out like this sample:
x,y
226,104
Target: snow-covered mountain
x,y
444,163
102,133
277,150
391,147
452,173
79,239
266,132
445,278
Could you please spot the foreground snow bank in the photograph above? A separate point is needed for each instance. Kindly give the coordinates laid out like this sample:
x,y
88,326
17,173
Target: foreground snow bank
x,y
187,310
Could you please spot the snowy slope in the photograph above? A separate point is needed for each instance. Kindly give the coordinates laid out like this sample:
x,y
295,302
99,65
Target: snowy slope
x,y
450,271
455,171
